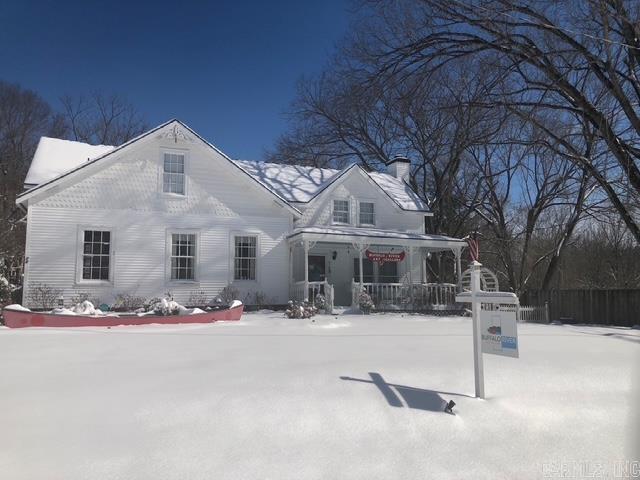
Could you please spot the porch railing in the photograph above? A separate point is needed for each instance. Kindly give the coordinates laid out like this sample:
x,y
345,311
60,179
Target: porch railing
x,y
539,314
405,296
323,288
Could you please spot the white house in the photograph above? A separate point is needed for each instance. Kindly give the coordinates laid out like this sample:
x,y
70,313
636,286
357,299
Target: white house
x,y
168,211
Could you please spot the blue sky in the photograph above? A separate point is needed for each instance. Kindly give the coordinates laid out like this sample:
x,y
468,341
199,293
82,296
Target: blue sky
x,y
228,69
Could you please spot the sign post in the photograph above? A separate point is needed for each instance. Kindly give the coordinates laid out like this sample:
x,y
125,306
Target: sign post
x,y
494,331
478,367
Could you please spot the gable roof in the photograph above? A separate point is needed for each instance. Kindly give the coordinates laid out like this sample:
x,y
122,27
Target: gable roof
x,y
56,159
300,184
60,170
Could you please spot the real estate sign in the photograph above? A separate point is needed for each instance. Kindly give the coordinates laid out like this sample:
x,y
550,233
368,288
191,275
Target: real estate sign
x,y
499,332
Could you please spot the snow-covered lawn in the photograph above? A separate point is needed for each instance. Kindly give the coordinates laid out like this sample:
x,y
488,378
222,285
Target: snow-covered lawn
x,y
344,397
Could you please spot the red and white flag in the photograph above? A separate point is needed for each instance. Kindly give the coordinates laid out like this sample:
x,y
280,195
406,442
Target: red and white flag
x,y
474,248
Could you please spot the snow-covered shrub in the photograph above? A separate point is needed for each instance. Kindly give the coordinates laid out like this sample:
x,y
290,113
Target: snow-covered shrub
x,y
197,297
229,293
320,302
85,308
166,306
365,302
300,310
43,296
127,303
5,291
80,297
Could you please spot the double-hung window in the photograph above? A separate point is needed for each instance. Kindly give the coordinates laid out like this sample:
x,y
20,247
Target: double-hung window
x,y
341,211
367,213
96,254
183,256
173,173
244,261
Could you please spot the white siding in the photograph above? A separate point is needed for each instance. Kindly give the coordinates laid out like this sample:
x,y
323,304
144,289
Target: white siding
x,y
356,187
125,195
139,243
133,181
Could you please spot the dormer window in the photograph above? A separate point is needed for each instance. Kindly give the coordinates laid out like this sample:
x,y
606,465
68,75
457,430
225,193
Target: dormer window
x,y
341,211
367,213
173,174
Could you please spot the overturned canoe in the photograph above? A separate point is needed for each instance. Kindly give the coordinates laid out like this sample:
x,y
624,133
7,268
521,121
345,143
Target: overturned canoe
x,y
18,318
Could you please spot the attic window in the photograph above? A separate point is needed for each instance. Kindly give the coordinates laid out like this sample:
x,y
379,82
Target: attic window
x,y
367,213
341,211
173,175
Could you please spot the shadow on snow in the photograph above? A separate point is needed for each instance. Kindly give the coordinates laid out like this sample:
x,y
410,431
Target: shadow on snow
x,y
404,396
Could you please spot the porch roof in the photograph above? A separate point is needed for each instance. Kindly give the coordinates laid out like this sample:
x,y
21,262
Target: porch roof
x,y
339,234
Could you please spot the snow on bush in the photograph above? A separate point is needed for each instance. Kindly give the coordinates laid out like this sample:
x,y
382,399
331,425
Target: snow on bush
x,y
5,290
300,310
128,303
320,302
166,306
365,302
81,297
228,294
86,308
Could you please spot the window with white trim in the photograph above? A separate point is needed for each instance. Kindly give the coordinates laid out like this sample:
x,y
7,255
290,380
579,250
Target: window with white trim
x,y
183,256
367,213
341,211
245,255
96,255
173,173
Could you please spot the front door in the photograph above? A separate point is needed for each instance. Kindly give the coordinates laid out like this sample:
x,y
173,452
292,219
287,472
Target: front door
x,y
317,268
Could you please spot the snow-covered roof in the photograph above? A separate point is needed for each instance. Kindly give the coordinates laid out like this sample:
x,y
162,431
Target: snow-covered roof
x,y
377,235
54,157
301,184
399,191
292,183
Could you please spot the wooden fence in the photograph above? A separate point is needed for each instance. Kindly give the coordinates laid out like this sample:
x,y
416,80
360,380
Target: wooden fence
x,y
604,307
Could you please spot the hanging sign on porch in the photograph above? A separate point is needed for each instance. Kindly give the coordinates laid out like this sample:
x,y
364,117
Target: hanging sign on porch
x,y
382,257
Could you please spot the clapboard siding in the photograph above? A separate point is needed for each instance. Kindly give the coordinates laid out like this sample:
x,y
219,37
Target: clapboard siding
x,y
140,253
357,187
132,181
123,193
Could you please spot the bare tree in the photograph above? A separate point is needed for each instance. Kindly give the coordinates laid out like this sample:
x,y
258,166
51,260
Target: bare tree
x,y
102,119
569,58
24,118
344,117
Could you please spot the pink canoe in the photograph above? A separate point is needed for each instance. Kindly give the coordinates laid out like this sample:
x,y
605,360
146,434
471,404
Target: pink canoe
x,y
25,318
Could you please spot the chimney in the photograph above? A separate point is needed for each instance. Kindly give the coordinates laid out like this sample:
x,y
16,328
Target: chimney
x,y
399,167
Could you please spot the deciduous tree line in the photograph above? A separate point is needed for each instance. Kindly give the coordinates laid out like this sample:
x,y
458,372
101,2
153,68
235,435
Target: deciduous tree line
x,y
520,118
24,118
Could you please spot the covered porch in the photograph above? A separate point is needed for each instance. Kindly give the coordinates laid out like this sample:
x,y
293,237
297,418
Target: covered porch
x,y
328,260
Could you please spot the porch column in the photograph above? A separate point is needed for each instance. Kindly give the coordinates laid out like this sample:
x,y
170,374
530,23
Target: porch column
x,y
411,275
360,263
291,282
458,254
306,271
